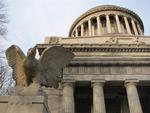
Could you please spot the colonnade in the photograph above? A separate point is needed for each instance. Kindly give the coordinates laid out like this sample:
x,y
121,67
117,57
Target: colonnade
x,y
107,24
98,96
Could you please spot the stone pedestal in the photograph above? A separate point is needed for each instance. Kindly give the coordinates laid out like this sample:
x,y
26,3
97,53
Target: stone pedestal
x,y
23,104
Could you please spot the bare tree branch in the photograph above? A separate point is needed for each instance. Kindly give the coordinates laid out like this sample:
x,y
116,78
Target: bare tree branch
x,y
3,18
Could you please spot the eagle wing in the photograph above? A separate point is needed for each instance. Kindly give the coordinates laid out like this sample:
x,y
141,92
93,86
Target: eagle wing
x,y
15,58
52,60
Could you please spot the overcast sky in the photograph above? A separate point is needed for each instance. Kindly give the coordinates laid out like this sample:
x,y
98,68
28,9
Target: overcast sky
x,y
30,21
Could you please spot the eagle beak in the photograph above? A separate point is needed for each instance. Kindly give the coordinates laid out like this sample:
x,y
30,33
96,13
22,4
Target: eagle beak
x,y
34,48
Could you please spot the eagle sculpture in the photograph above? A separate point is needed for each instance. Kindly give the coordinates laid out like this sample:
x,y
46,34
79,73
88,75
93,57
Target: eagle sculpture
x,y
45,71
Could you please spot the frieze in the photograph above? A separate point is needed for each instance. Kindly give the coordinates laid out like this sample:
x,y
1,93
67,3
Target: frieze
x,y
112,40
106,70
138,41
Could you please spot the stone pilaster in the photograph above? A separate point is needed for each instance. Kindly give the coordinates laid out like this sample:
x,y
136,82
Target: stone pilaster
x,y
134,27
68,96
108,24
118,23
98,96
89,27
133,97
127,25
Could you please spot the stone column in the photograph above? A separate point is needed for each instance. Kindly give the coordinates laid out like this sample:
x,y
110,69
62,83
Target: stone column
x,y
93,30
98,26
124,106
108,24
76,32
89,27
133,97
68,96
127,25
118,24
139,29
134,27
98,96
82,29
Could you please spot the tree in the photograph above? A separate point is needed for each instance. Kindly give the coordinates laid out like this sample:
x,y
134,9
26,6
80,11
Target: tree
x,y
6,80
3,19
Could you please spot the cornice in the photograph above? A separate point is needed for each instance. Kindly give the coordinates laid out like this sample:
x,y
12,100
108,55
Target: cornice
x,y
99,47
105,8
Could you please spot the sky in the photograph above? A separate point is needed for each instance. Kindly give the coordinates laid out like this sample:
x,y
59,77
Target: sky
x,y
30,21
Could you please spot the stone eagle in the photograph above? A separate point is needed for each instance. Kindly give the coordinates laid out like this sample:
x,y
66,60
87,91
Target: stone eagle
x,y
27,69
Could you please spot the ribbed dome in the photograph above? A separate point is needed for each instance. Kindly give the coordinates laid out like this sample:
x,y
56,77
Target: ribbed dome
x,y
106,19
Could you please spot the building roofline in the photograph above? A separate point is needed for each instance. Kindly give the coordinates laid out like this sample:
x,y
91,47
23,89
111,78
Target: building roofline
x,y
105,8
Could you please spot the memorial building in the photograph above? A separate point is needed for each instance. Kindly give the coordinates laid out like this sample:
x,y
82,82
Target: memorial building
x,y
110,72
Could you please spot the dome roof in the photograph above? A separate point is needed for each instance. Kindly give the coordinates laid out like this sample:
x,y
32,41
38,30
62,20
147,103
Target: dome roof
x,y
102,8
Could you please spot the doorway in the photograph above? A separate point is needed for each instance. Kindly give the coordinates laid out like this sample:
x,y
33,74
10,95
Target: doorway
x,y
83,100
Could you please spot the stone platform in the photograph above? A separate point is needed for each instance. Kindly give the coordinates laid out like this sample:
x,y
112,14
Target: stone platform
x,y
23,104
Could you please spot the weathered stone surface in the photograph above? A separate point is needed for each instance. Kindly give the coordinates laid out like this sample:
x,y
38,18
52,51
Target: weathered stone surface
x,y
54,99
45,71
98,96
109,45
68,97
24,104
33,89
133,97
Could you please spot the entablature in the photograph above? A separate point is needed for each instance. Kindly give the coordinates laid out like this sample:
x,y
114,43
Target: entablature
x,y
105,48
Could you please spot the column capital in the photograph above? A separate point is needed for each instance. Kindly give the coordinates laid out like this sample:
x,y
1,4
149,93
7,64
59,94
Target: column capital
x,y
67,82
131,82
98,82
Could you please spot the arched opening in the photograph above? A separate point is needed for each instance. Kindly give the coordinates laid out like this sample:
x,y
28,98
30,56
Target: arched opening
x,y
138,28
73,35
79,31
85,33
122,24
103,22
94,26
114,28
130,25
